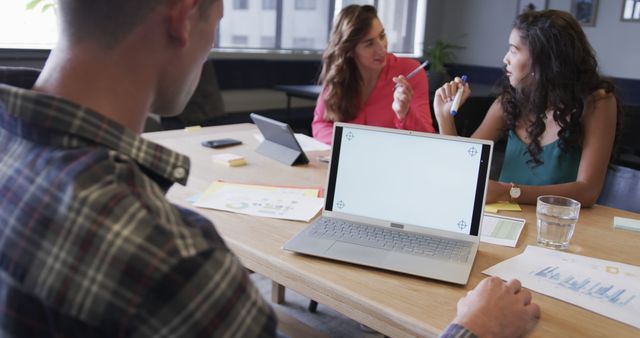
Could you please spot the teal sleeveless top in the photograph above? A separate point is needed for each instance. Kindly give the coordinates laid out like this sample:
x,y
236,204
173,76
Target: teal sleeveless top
x,y
559,166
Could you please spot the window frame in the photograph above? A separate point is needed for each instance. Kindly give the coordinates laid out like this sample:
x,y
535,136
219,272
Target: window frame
x,y
35,55
304,5
266,5
418,26
240,4
635,9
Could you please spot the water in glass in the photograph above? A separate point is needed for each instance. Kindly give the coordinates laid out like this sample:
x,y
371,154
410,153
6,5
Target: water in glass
x,y
557,218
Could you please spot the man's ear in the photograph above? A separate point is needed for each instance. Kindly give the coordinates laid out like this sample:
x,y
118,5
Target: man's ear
x,y
180,18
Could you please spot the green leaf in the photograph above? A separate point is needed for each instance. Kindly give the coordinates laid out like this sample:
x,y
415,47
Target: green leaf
x,y
45,7
32,4
441,53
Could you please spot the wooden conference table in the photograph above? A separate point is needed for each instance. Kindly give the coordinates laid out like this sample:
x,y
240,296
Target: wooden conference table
x,y
391,303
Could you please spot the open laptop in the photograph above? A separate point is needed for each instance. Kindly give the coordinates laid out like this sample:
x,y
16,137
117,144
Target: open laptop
x,y
401,200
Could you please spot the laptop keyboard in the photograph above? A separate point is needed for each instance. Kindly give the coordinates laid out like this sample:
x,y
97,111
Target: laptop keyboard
x,y
391,240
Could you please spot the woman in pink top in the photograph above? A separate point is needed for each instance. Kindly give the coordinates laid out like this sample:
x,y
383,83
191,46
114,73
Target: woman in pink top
x,y
358,77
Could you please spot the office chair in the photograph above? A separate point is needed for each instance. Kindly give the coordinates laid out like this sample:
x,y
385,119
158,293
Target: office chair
x,y
629,138
621,189
23,77
205,107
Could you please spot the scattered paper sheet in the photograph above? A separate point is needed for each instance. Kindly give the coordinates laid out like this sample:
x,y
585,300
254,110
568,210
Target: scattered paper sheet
x,y
306,143
506,206
501,230
193,199
310,144
299,204
626,223
304,191
608,288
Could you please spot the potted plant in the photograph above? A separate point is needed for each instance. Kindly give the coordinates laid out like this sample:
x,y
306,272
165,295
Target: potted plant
x,y
439,54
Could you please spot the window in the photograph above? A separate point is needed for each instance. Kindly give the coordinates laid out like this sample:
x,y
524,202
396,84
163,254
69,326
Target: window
x,y
305,4
240,40
303,43
399,20
269,4
304,25
631,10
310,26
252,24
267,41
21,28
346,3
240,4
278,26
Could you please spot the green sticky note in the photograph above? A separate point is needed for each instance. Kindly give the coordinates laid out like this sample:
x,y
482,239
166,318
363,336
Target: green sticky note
x,y
506,229
626,223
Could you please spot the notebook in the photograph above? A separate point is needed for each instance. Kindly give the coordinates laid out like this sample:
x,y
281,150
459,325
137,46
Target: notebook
x,y
401,200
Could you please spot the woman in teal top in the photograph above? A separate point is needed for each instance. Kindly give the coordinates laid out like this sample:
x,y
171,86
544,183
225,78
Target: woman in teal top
x,y
558,166
559,114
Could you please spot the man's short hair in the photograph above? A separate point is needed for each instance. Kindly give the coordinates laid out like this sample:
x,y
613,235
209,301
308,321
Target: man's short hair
x,y
110,21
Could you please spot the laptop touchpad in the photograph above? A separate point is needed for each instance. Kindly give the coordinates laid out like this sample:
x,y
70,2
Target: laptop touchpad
x,y
357,253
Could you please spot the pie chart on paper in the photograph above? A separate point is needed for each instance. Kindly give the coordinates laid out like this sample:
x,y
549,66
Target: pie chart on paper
x,y
237,205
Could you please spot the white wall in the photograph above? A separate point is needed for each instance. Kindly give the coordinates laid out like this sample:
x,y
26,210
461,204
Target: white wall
x,y
483,27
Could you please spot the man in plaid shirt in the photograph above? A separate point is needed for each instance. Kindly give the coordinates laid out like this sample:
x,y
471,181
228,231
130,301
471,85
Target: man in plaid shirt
x,y
89,245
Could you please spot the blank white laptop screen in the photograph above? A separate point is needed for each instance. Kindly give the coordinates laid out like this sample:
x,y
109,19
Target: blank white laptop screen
x,y
409,179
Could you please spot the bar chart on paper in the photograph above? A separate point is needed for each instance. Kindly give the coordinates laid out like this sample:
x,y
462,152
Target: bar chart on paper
x,y
608,288
615,295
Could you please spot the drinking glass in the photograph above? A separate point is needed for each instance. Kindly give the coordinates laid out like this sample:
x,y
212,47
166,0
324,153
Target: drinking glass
x,y
557,218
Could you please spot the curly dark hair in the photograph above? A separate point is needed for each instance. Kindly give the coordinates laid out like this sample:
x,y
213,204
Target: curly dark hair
x,y
340,75
565,74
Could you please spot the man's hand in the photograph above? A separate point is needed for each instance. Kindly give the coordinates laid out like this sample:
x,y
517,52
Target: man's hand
x,y
497,309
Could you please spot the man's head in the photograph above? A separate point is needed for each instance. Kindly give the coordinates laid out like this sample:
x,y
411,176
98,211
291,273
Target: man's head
x,y
160,45
109,21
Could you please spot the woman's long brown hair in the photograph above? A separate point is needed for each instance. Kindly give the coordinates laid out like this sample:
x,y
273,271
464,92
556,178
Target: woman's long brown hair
x,y
340,76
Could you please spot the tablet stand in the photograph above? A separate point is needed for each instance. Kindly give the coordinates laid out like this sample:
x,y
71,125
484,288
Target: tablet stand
x,y
281,153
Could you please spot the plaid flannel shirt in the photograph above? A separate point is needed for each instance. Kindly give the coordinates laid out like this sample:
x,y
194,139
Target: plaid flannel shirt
x,y
90,246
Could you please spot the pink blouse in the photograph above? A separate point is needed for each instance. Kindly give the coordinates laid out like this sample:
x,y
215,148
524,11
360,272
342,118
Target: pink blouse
x,y
377,111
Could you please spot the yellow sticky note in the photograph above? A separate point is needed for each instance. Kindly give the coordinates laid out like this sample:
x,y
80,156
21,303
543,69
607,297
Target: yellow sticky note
x,y
506,206
192,128
490,208
231,160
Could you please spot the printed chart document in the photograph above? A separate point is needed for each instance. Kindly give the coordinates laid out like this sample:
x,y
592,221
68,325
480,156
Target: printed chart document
x,y
299,204
608,288
501,230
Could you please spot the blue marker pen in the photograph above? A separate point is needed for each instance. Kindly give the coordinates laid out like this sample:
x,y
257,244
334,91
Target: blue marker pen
x,y
458,97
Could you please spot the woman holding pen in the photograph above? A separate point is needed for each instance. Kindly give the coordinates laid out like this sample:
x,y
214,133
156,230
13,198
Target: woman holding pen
x,y
364,84
559,114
